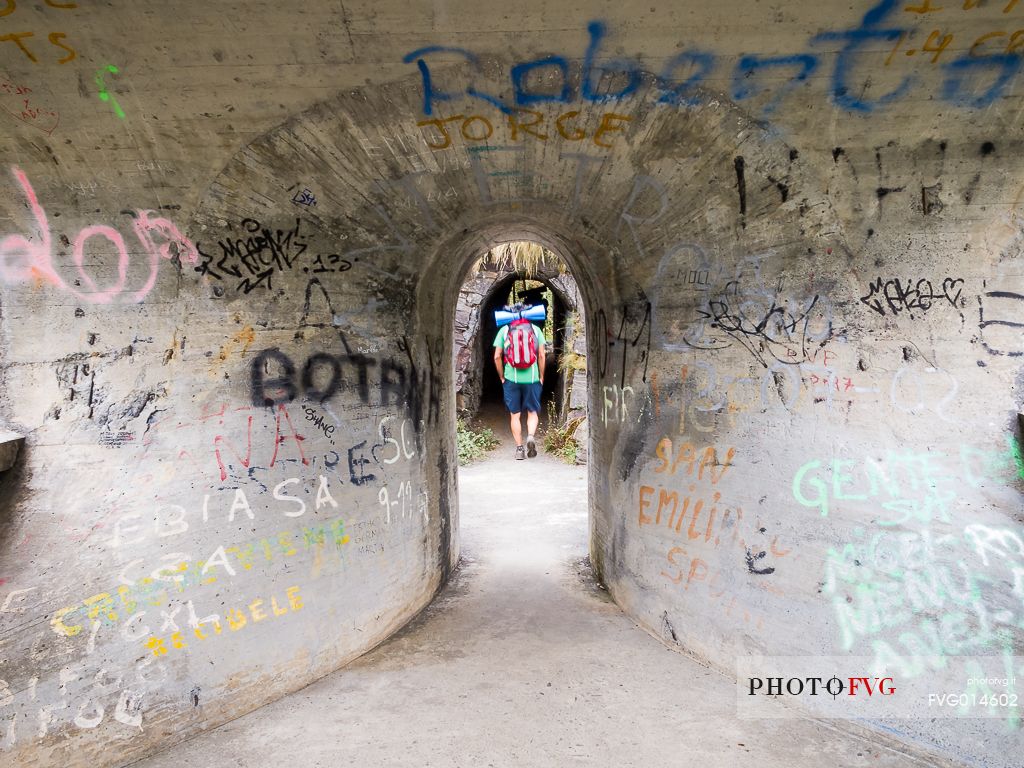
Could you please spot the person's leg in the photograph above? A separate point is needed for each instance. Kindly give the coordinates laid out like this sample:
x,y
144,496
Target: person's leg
x,y
514,403
532,402
517,428
532,419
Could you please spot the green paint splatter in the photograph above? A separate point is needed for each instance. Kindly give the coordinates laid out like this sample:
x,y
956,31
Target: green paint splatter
x,y
104,94
1018,455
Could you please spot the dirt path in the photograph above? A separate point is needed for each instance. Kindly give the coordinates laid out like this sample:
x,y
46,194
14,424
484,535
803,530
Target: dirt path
x,y
521,661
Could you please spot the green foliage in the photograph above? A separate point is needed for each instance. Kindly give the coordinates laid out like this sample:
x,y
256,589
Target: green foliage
x,y
568,451
561,442
472,443
572,361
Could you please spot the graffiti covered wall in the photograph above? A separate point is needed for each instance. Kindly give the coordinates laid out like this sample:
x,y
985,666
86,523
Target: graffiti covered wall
x,y
226,318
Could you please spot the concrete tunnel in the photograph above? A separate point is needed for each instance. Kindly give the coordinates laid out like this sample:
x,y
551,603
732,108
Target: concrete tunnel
x,y
231,241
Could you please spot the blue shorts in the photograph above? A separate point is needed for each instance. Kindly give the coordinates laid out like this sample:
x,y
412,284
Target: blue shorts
x,y
520,396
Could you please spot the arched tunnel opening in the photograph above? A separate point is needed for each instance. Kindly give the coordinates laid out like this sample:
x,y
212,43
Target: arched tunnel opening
x,y
495,282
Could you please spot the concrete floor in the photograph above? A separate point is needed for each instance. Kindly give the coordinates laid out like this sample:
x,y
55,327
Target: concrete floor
x,y
522,661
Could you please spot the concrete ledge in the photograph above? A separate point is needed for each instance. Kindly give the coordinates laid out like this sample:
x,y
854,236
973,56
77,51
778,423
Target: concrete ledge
x,y
10,444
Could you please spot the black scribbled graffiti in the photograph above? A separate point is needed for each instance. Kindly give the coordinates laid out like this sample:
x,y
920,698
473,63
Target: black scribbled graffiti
x,y
357,474
760,322
261,252
305,197
626,339
1001,336
116,439
895,296
752,559
380,382
741,188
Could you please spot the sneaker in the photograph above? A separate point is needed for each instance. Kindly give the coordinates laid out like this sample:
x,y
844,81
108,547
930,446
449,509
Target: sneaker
x,y
531,446
520,453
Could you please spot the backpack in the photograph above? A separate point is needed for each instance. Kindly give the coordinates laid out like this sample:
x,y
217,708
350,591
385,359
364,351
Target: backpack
x,y
521,345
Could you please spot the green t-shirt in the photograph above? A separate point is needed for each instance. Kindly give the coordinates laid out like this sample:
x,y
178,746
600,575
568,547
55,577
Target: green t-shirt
x,y
521,375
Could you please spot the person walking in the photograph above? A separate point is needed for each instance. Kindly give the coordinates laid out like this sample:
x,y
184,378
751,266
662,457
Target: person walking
x,y
519,358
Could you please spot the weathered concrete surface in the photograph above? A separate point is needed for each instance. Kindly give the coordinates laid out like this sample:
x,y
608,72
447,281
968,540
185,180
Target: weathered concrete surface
x,y
797,238
522,660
